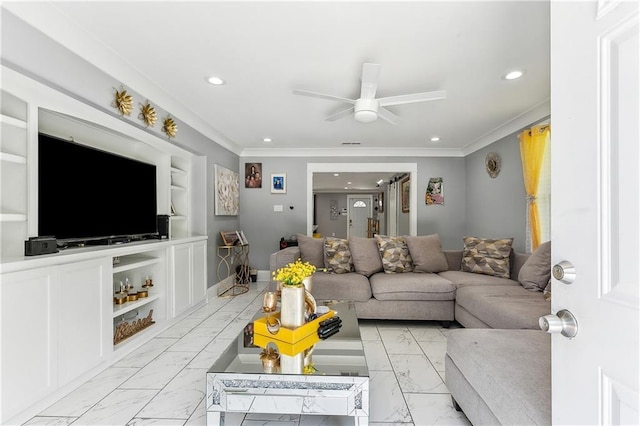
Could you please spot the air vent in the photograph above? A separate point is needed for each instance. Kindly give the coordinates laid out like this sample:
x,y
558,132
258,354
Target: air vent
x,y
351,143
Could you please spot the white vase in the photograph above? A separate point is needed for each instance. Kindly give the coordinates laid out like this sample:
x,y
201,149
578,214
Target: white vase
x,y
308,283
292,307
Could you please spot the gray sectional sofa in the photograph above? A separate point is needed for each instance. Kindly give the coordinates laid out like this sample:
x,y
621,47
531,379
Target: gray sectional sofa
x,y
498,368
473,299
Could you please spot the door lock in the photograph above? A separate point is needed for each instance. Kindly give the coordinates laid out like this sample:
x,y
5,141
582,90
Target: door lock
x,y
563,322
564,272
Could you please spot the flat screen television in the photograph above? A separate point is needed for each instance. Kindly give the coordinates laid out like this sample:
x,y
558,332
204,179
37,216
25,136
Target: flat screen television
x,y
89,195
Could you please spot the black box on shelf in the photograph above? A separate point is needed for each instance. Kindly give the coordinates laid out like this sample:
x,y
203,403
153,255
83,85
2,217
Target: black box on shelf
x,y
35,246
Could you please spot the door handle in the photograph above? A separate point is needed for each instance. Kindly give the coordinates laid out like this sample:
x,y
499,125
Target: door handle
x,y
563,322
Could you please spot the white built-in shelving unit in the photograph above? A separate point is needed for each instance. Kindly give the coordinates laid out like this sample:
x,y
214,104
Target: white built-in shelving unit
x,y
58,312
179,197
13,171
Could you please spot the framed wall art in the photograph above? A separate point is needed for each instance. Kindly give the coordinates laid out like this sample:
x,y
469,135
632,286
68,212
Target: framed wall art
x,y
226,192
278,183
405,191
229,238
435,192
253,175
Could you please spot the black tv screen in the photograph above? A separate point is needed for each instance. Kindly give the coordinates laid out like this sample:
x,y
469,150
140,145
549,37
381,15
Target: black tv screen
x,y
89,194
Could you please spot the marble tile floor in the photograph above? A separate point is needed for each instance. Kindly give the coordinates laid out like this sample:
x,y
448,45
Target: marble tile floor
x,y
163,382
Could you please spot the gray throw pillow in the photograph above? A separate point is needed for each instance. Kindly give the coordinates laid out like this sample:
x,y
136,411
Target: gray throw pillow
x,y
311,250
426,252
536,271
365,255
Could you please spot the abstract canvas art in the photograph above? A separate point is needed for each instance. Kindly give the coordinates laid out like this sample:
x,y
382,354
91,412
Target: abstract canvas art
x,y
227,191
435,192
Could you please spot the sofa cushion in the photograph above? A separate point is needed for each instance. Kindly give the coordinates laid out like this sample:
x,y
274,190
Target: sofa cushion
x,y
395,254
411,286
365,255
349,286
504,306
426,253
462,279
487,256
311,250
510,370
536,271
337,255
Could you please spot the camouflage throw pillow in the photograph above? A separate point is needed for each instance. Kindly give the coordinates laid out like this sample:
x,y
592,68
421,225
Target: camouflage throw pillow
x,y
337,255
395,254
485,256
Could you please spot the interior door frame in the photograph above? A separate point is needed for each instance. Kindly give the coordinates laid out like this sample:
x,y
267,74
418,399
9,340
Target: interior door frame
x,y
410,168
350,198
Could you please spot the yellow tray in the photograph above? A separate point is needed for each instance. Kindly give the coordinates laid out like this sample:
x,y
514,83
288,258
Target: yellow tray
x,y
286,335
286,348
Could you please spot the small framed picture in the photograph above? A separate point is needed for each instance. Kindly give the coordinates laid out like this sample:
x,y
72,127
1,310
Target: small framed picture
x,y
278,183
229,238
405,189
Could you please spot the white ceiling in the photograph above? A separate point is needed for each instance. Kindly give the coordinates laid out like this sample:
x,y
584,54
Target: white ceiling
x,y
265,49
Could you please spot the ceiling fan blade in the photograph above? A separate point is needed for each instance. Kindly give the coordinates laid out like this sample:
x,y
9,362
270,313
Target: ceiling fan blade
x,y
388,116
414,97
323,96
370,73
337,115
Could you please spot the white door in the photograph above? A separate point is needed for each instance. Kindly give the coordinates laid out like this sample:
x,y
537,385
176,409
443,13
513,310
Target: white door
x,y
595,210
359,208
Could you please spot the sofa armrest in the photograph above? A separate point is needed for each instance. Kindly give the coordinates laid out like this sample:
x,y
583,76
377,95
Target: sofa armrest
x,y
282,258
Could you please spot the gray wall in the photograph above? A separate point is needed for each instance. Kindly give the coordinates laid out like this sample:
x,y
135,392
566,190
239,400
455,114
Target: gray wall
x,y
496,207
331,227
264,227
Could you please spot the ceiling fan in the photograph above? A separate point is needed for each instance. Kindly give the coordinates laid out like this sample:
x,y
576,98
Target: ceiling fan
x,y
368,108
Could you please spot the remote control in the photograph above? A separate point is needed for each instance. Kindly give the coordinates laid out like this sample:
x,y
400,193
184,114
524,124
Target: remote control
x,y
330,321
325,336
329,330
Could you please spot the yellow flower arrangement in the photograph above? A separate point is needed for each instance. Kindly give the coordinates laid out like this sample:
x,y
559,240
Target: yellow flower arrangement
x,y
293,274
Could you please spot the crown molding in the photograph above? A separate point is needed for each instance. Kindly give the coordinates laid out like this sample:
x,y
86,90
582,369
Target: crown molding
x,y
519,122
351,152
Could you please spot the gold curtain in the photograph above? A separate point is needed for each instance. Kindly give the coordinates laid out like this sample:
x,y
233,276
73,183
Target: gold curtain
x,y
533,143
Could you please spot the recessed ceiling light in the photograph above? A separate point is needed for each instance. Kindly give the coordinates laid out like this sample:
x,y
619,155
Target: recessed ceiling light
x,y
346,187
348,183
216,81
435,139
336,174
512,75
266,140
380,181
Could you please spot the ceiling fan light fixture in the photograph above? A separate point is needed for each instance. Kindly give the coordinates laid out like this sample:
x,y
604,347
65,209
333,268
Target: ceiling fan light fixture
x,y
366,110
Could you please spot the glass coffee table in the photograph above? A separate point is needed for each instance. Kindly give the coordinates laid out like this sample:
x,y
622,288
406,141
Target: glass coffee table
x,y
334,381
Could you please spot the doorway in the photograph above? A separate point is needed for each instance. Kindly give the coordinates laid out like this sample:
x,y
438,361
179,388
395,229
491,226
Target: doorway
x,y
359,209
409,168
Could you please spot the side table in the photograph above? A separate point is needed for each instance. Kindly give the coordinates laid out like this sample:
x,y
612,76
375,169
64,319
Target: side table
x,y
234,260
